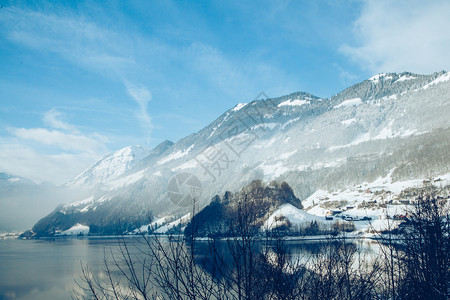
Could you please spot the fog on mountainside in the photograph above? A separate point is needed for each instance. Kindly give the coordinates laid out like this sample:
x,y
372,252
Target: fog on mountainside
x,y
23,202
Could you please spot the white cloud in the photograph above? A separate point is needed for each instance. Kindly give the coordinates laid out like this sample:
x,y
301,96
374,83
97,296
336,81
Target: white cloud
x,y
62,136
397,36
55,155
142,96
61,140
22,160
235,78
76,39
126,56
53,118
214,66
129,56
89,45
345,75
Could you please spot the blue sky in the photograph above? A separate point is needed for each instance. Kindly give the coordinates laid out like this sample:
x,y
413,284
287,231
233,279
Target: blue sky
x,y
81,79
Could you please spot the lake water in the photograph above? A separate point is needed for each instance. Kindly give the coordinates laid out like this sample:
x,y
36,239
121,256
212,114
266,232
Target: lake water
x,y
46,269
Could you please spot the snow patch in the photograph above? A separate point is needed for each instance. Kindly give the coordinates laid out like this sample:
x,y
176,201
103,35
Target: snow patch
x,y
287,154
293,214
81,202
348,122
349,102
406,77
110,167
264,126
15,179
76,229
385,132
290,122
176,155
365,137
391,97
321,165
239,106
408,132
157,223
297,102
376,78
220,124
127,180
188,165
440,79
103,199
266,144
183,220
275,170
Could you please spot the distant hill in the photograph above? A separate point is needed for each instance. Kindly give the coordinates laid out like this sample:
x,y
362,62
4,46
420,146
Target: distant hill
x,y
253,204
23,202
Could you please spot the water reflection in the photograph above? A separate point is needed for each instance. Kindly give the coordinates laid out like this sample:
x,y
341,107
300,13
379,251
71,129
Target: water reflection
x,y
46,269
297,251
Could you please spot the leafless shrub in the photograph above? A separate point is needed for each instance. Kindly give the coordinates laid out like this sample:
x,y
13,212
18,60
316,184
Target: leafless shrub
x,y
413,263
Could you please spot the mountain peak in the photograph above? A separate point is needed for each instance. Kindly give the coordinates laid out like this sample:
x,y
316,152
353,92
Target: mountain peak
x,y
391,126
163,145
388,84
111,166
137,152
8,179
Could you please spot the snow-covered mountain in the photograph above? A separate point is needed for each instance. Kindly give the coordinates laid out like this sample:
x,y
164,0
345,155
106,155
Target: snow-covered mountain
x,y
8,181
394,124
110,167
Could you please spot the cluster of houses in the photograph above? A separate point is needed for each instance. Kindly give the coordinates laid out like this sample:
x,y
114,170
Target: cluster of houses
x,y
381,198
330,215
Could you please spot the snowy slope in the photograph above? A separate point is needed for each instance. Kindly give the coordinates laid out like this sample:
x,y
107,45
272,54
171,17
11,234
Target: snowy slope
x,y
293,214
394,124
381,200
77,229
110,167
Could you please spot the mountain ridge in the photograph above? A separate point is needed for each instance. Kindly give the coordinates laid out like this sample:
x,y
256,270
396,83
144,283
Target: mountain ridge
x,y
309,142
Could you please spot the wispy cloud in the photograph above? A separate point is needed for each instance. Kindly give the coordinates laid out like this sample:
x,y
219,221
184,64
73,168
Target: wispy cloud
x,y
192,73
73,37
345,75
24,160
84,43
65,141
402,36
128,56
53,118
233,77
142,96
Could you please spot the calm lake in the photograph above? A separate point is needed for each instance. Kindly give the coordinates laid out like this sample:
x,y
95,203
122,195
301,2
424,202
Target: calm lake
x,y
47,269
